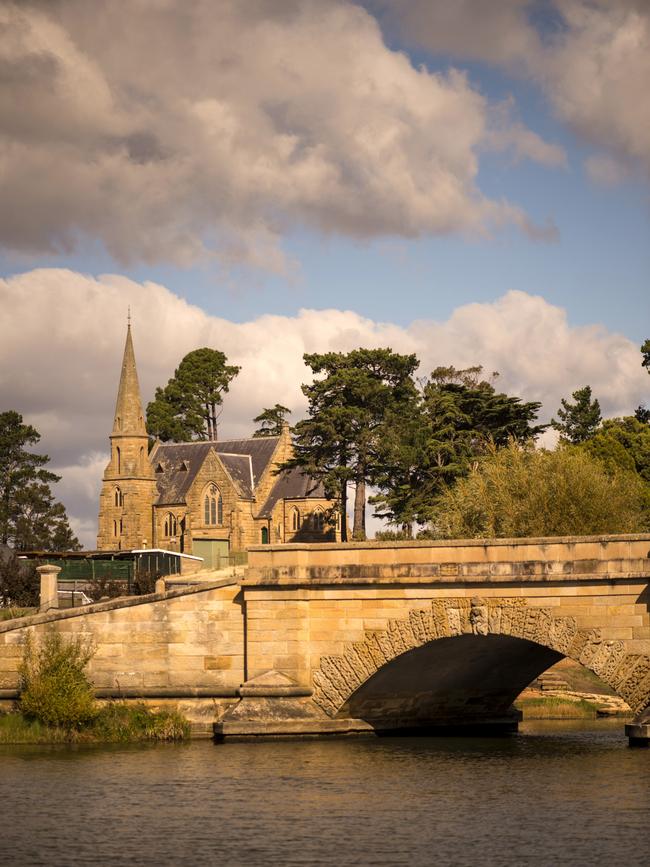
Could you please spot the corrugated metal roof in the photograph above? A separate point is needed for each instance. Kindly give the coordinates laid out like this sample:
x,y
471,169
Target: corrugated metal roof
x,y
177,464
292,485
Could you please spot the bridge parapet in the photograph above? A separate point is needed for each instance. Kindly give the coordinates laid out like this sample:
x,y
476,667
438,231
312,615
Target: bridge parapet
x,y
491,561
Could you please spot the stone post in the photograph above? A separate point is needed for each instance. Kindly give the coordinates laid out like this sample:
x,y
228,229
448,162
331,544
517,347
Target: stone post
x,y
160,585
49,586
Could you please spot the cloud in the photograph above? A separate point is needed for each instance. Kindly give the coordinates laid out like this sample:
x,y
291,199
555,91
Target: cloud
x,y
187,131
596,73
61,368
591,58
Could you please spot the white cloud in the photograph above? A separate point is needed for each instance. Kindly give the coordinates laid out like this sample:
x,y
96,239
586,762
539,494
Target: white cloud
x,y
597,73
61,368
591,57
176,131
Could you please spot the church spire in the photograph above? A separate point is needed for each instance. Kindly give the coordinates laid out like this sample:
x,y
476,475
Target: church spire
x,y
129,418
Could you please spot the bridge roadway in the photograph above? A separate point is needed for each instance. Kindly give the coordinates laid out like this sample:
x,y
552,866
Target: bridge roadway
x,y
385,637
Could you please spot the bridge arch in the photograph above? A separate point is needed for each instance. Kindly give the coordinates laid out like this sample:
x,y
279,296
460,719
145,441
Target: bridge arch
x,y
481,631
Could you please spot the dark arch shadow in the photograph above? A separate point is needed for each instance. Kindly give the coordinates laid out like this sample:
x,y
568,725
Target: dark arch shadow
x,y
467,680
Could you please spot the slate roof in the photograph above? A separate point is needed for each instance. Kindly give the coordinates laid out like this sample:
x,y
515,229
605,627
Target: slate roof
x,y
244,460
292,485
240,468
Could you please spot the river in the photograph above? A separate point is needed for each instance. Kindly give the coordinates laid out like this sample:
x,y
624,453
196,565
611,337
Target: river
x,y
557,793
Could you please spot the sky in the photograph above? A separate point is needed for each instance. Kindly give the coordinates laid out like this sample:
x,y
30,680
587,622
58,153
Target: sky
x,y
467,180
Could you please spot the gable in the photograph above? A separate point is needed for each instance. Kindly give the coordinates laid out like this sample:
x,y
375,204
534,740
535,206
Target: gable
x,y
176,465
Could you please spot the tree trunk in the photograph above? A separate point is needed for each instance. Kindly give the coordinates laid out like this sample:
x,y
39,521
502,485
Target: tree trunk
x,y
359,529
344,511
214,422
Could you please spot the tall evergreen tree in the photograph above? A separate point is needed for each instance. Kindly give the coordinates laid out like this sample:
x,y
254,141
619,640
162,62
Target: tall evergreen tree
x,y
186,408
452,422
622,443
578,421
339,442
271,421
642,413
29,515
645,352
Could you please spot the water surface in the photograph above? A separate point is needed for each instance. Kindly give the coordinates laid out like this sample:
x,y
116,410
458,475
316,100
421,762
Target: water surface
x,y
557,793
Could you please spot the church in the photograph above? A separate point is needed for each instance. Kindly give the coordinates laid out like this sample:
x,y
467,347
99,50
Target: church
x,y
207,498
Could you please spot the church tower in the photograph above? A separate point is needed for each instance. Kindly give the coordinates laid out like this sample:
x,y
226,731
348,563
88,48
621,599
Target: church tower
x,y
129,484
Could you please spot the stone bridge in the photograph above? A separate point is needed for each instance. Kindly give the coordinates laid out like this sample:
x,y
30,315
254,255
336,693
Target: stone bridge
x,y
385,637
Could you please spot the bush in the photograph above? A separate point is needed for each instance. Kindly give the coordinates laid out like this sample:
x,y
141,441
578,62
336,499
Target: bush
x,y
144,582
19,581
12,613
520,491
119,721
55,689
115,722
105,587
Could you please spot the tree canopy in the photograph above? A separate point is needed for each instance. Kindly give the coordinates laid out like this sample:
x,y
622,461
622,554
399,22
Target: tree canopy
x,y
30,518
186,408
622,443
642,413
339,441
271,421
645,352
521,491
447,427
578,421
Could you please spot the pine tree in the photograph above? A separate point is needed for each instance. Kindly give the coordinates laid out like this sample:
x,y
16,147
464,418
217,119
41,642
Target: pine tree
x,y
440,436
186,408
340,440
580,420
271,421
29,516
642,413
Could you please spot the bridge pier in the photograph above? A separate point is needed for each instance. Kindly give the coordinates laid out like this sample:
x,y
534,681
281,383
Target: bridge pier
x,y
638,732
272,705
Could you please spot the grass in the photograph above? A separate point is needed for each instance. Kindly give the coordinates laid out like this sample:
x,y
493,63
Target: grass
x,y
555,707
11,613
115,722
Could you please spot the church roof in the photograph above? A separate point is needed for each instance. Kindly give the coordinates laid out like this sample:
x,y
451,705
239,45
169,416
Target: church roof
x,y
292,485
177,464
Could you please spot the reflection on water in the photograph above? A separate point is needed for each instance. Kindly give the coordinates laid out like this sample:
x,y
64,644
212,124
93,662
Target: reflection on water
x,y
558,793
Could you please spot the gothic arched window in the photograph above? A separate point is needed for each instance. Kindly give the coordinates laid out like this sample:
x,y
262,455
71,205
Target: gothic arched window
x,y
295,519
213,506
119,497
318,520
170,525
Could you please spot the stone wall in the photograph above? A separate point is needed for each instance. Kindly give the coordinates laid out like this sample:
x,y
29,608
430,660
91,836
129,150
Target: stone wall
x,y
171,643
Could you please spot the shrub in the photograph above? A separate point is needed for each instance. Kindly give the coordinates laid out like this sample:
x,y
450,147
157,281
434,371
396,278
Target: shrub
x,y
119,721
144,582
55,689
520,491
105,587
12,613
19,581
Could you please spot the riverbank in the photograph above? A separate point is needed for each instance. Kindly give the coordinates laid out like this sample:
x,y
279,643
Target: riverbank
x,y
537,705
115,722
